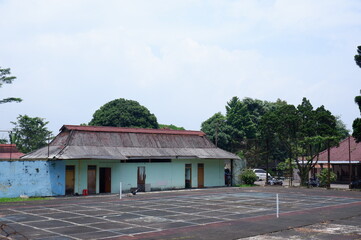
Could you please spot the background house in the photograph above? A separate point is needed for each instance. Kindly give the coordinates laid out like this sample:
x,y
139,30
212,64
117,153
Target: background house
x,y
345,160
9,152
99,159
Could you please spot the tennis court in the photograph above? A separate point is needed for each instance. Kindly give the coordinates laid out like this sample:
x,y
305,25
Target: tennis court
x,y
196,214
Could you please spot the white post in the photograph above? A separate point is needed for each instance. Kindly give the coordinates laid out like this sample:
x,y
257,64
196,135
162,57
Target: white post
x,y
277,202
120,190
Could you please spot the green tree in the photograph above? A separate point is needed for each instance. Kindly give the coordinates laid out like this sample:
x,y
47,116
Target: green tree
x,y
323,177
356,125
358,56
6,79
30,133
341,128
171,126
218,131
248,177
303,131
124,113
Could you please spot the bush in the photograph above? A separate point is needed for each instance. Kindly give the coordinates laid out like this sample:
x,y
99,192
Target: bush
x,y
323,176
248,177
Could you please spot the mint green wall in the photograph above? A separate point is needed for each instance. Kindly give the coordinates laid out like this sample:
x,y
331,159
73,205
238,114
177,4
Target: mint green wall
x,y
81,173
159,175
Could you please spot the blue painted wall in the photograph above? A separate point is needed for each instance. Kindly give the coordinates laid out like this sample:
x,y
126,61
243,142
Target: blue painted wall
x,y
32,178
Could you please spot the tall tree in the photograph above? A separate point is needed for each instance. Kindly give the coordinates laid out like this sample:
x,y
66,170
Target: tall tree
x,y
6,79
30,133
356,125
358,56
170,126
218,131
342,130
303,131
124,113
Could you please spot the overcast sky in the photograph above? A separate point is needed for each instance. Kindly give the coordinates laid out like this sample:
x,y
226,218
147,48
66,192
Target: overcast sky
x,y
183,60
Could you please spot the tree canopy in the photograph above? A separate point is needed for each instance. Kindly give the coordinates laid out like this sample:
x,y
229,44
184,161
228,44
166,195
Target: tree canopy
x,y
170,126
218,131
358,56
356,125
6,79
124,113
271,132
30,133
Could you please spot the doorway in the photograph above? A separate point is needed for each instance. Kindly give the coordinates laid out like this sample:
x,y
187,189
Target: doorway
x,y
105,180
69,180
92,179
141,179
188,176
200,175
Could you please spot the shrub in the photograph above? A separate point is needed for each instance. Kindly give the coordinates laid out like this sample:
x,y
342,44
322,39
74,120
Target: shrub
x,y
248,176
322,176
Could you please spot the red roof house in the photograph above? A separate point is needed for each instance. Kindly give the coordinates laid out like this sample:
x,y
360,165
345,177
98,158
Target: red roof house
x,y
345,156
9,152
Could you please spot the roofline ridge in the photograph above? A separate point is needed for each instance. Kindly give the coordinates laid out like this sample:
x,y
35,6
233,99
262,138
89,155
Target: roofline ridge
x,y
131,130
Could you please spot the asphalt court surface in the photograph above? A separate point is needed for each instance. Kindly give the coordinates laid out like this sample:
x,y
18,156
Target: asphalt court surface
x,y
197,214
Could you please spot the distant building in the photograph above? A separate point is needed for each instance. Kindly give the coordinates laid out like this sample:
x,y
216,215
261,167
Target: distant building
x,y
99,159
9,152
344,157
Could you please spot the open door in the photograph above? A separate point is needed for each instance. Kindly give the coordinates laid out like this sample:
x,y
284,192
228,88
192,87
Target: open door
x,y
141,179
105,178
200,175
69,180
92,179
188,176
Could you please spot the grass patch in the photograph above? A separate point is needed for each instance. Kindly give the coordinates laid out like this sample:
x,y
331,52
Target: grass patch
x,y
246,185
18,199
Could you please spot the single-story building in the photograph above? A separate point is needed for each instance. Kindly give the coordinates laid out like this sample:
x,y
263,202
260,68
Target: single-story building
x,y
345,160
105,159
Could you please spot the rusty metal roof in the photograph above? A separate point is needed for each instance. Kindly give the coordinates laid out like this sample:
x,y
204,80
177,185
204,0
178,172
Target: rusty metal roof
x,y
88,142
130,130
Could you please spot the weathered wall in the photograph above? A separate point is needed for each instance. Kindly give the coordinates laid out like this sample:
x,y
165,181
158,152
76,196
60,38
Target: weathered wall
x,y
159,175
32,178
172,175
81,173
238,166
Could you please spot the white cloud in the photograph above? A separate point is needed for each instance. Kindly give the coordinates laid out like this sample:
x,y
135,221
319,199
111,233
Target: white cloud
x,y
182,59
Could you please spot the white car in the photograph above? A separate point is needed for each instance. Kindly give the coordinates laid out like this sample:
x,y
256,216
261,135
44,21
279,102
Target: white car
x,y
261,174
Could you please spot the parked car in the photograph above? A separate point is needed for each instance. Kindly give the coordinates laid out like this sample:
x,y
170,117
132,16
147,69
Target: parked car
x,y
261,174
355,184
274,181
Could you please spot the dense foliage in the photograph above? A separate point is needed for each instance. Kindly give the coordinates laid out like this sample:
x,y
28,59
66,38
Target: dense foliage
x,y
30,133
323,176
124,113
248,177
356,125
171,126
6,79
267,133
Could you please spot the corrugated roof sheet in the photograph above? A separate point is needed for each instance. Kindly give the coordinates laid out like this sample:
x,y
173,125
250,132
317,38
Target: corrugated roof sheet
x,y
84,142
341,152
130,130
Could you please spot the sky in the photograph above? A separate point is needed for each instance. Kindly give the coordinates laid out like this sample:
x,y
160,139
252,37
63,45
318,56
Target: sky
x,y
183,60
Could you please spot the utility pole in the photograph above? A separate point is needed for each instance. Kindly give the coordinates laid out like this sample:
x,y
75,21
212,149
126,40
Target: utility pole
x,y
216,133
349,159
267,157
328,165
